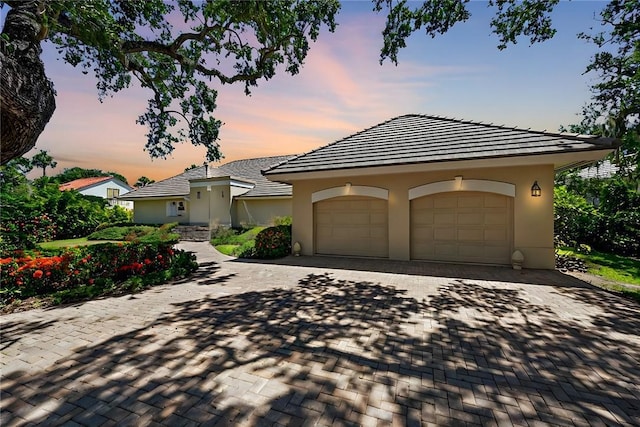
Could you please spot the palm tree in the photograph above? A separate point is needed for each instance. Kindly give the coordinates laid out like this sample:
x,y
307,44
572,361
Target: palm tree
x,y
43,160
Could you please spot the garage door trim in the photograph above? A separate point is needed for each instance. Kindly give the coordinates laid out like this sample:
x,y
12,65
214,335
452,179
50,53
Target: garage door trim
x,y
479,185
350,190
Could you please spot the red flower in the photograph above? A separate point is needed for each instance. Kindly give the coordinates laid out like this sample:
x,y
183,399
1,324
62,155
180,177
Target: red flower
x,y
159,256
37,274
91,281
147,261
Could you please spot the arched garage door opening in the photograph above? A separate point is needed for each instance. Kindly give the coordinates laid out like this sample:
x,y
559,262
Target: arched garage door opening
x,y
462,226
352,226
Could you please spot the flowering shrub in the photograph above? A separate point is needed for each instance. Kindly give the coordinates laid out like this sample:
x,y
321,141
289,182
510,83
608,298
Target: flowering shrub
x,y
273,242
26,231
25,275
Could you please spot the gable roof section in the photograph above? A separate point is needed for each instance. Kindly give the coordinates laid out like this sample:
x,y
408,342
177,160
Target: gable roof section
x,y
249,169
82,183
414,138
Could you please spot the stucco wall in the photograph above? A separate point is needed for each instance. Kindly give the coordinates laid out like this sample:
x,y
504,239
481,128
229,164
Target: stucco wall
x,y
532,216
155,212
261,211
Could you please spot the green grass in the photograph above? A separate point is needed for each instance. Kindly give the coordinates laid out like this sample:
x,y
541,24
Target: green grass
x,y
617,271
608,266
82,241
235,242
227,249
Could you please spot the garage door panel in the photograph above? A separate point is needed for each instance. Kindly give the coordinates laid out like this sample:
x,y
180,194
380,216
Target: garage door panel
x,y
470,218
495,218
351,226
444,218
495,201
444,203
495,235
466,227
470,235
470,202
444,250
444,233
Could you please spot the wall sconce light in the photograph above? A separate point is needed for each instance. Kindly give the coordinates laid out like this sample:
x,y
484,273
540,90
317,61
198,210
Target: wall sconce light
x,y
535,190
347,187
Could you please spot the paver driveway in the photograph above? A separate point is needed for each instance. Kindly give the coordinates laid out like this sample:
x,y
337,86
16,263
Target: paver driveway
x,y
282,344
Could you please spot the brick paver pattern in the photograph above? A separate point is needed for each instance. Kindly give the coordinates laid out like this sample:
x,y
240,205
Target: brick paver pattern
x,y
329,342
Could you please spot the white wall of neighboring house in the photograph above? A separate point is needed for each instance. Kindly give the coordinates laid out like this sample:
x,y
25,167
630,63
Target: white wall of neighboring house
x,y
110,190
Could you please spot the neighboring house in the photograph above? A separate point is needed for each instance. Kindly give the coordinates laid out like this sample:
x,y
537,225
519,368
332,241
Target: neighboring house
x,y
107,187
600,170
430,188
233,194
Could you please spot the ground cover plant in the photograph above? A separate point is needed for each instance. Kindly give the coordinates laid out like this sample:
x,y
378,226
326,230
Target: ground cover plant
x,y
59,276
140,233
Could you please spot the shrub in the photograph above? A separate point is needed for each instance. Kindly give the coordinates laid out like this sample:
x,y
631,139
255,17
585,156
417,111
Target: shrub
x,y
273,242
103,265
282,220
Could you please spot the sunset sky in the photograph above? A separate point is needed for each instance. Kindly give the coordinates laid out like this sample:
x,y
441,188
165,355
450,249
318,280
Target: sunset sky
x,y
340,90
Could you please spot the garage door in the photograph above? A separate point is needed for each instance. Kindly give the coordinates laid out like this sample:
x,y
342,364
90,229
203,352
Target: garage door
x,y
462,227
352,226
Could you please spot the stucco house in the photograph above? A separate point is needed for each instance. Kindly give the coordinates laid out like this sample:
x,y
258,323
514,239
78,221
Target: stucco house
x,y
230,195
107,187
420,187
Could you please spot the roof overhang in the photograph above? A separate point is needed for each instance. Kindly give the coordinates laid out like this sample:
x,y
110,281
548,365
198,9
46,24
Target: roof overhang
x,y
263,197
149,198
560,161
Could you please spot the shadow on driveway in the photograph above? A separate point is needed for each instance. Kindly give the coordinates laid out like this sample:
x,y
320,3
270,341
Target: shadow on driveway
x,y
338,352
431,269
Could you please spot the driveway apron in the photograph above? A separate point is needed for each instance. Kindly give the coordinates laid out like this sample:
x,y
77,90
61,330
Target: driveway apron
x,y
329,342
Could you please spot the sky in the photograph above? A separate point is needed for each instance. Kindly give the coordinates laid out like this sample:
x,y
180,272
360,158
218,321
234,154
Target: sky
x,y
340,90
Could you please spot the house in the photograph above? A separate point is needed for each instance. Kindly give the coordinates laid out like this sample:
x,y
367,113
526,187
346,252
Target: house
x,y
420,187
229,195
107,187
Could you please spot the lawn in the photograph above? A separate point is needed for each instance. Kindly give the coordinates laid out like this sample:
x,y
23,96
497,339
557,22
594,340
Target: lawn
x,y
614,269
235,242
82,241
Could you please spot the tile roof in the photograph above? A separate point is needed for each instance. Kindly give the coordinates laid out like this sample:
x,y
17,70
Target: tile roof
x,y
79,184
249,169
414,138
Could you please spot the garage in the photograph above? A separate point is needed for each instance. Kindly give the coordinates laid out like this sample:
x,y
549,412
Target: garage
x,y
352,226
469,227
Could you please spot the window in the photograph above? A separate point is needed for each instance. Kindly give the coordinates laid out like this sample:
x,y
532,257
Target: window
x,y
198,195
112,193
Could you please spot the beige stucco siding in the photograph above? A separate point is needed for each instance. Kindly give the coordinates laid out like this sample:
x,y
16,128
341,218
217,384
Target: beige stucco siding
x,y
261,211
532,216
155,212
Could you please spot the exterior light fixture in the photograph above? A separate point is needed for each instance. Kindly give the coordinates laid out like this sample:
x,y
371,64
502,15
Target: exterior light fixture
x,y
535,190
347,187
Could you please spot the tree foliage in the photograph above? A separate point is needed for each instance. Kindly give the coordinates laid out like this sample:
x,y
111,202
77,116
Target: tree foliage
x,y
614,110
71,174
601,213
38,211
43,160
143,181
182,51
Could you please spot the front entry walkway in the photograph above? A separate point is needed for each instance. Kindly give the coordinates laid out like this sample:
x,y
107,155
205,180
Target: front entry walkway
x,y
322,341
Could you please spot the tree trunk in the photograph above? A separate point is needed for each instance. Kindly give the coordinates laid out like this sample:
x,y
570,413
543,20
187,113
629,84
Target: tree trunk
x,y
27,98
